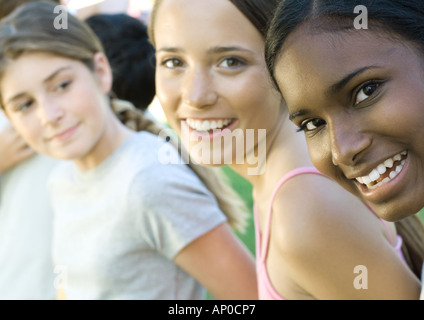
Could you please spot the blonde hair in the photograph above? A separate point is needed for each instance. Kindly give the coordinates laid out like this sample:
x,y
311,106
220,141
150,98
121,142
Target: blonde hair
x,y
31,29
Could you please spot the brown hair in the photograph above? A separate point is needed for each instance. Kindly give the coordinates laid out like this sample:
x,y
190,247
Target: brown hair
x,y
152,19
31,29
7,6
411,230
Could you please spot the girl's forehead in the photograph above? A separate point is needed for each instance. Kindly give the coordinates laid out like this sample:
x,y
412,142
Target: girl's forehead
x,y
40,62
32,69
186,19
344,45
314,64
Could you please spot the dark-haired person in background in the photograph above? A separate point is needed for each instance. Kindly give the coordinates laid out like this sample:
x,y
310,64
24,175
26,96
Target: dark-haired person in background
x,y
131,55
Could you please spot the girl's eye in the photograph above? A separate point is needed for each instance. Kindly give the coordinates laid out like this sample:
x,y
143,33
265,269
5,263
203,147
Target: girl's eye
x,y
23,106
310,125
173,63
63,86
231,63
366,91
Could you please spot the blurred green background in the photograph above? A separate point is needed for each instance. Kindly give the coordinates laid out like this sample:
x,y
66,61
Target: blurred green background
x,y
244,189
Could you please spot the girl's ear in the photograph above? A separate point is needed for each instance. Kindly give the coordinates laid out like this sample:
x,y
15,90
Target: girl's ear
x,y
103,72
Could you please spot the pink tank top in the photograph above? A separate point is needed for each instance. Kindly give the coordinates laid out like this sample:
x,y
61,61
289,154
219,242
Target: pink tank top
x,y
266,290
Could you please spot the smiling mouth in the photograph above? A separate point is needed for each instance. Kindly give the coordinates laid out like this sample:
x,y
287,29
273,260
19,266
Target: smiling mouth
x,y
208,125
63,134
384,172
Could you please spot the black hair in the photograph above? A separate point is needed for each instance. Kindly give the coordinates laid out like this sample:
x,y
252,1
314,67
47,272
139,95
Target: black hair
x,y
131,56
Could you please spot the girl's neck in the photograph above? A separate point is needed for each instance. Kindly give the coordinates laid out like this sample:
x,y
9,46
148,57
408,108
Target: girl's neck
x,y
286,150
114,135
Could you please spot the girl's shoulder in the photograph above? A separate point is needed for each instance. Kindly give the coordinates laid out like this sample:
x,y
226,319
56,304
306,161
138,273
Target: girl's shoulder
x,y
322,233
308,206
151,148
158,165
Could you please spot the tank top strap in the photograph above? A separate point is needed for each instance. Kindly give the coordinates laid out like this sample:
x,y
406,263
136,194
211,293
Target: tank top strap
x,y
264,238
283,180
389,234
384,222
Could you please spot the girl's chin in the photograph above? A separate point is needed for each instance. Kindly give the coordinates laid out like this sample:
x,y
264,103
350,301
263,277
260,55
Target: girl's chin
x,y
68,155
388,214
396,208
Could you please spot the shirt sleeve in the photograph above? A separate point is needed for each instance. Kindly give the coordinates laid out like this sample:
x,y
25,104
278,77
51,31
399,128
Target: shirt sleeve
x,y
172,207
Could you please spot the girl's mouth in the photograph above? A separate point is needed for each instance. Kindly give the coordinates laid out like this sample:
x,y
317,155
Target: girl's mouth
x,y
384,172
208,126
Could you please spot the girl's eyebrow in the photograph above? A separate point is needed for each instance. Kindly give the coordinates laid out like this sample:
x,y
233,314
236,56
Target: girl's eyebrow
x,y
298,113
46,80
339,85
336,87
170,49
223,49
55,73
213,50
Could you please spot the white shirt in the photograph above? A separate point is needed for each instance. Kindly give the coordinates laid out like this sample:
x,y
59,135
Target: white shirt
x,y
26,268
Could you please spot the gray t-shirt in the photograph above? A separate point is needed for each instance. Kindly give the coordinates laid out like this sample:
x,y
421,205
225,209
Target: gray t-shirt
x,y
119,226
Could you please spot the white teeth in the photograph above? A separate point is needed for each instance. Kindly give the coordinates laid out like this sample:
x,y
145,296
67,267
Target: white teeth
x,y
366,180
393,174
374,175
388,163
208,125
381,169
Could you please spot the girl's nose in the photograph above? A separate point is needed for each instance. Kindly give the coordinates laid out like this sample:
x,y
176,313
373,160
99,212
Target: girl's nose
x,y
199,91
347,143
49,112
